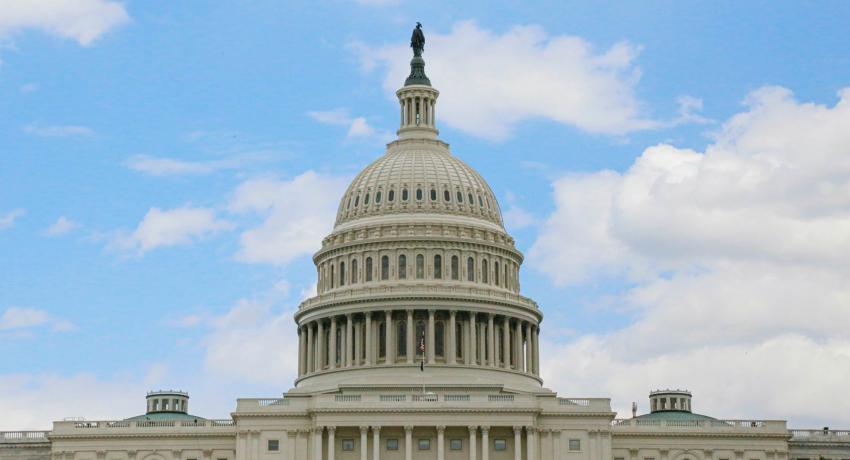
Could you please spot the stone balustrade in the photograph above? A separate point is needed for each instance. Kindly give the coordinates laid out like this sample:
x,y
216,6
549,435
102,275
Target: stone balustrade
x,y
75,428
16,437
820,435
737,425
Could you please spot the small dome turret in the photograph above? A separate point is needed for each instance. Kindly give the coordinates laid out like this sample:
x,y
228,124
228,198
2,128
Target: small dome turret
x,y
670,400
167,401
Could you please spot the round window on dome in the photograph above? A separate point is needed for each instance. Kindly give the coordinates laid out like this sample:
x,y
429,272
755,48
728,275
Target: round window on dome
x,y
459,197
419,194
391,196
378,197
447,196
433,194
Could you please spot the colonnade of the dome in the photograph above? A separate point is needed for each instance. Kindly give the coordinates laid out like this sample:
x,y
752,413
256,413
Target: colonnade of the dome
x,y
414,336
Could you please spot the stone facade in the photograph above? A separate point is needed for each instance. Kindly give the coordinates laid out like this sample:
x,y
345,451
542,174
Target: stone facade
x,y
419,345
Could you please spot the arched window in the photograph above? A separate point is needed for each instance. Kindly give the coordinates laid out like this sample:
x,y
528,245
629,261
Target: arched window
x,y
496,273
342,273
419,194
382,340
401,338
470,269
459,340
433,194
368,269
402,267
447,196
459,197
438,267
485,278
455,268
356,200
385,268
332,275
354,273
471,202
338,345
420,266
366,199
378,197
439,339
480,203
348,206
420,337
391,196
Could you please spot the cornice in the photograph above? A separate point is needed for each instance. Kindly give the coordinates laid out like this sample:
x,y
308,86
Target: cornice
x,y
698,434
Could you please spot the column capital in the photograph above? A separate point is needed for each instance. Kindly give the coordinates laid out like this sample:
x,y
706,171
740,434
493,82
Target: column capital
x,y
331,429
453,312
441,428
517,428
473,428
408,428
432,311
364,428
376,429
348,316
530,429
319,429
485,429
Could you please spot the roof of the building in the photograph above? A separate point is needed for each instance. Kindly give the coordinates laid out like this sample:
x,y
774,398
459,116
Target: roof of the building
x,y
674,415
157,416
391,185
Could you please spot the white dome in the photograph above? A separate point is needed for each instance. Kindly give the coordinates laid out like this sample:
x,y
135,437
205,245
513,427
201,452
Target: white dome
x,y
418,176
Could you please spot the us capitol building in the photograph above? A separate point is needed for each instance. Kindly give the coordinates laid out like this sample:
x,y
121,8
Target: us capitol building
x,y
419,345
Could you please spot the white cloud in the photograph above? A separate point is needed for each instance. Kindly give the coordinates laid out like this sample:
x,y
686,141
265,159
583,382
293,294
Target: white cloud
x,y
737,262
62,226
80,20
8,220
28,88
162,166
171,227
58,131
297,214
358,127
19,321
560,78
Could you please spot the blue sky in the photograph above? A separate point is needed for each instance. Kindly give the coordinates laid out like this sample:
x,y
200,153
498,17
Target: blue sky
x,y
676,173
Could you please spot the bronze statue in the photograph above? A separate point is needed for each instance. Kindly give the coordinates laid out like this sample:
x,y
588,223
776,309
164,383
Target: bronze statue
x,y
417,40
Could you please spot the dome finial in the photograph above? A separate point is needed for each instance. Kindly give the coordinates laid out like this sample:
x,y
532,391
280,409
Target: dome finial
x,y
417,64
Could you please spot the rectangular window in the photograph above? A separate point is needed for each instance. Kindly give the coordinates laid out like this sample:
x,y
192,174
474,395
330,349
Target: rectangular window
x,y
500,444
347,444
456,444
274,445
575,444
392,444
425,444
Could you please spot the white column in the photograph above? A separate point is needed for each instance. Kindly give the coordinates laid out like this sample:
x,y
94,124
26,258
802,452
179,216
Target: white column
x,y
506,342
358,343
472,443
411,331
556,443
441,441
317,443
364,441
536,335
376,443
408,442
471,350
301,350
388,327
320,345
331,442
520,354
332,344
517,443
349,339
310,357
430,348
491,342
368,343
255,445
452,349
530,439
485,443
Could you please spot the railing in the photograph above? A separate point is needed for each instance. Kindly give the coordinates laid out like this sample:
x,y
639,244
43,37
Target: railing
x,y
425,398
347,398
573,402
70,427
393,398
23,436
273,402
819,433
719,424
377,291
456,398
500,398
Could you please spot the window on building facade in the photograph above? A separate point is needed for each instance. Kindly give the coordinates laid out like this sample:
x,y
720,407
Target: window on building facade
x,y
401,338
456,444
485,272
347,444
424,443
385,268
470,269
496,273
433,194
342,273
353,271
500,444
338,345
391,196
333,269
404,194
455,268
420,336
274,445
459,340
501,339
366,199
459,197
575,444
378,197
439,339
402,267
368,269
382,340
392,444
438,267
420,266
419,194
447,196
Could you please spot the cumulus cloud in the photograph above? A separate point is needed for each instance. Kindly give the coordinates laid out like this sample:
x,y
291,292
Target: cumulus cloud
x,y
736,258
8,220
81,20
296,215
170,227
62,226
358,127
560,78
58,131
23,319
163,166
